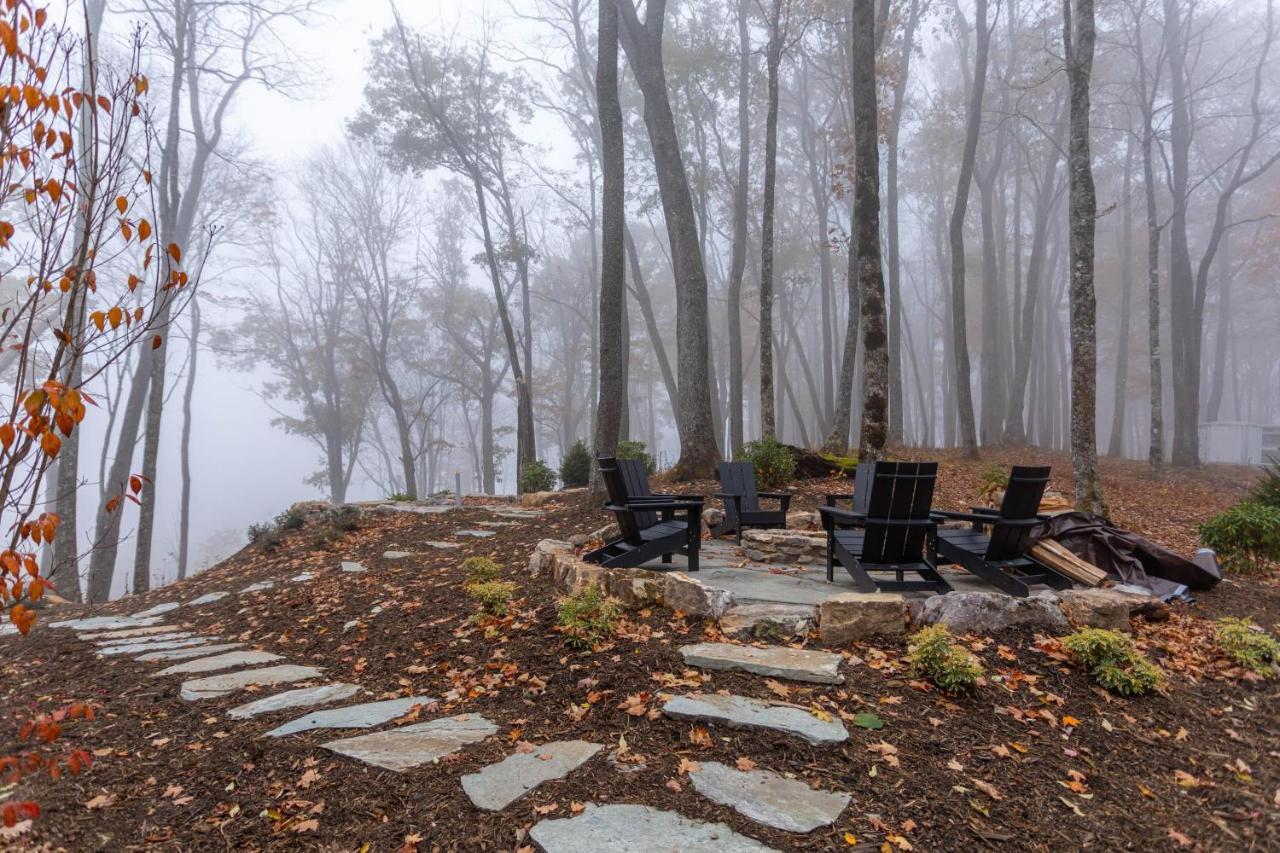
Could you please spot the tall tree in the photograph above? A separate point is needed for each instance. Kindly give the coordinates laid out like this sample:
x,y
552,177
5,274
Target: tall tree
x,y
612,394
866,228
773,63
642,42
1079,34
738,259
959,326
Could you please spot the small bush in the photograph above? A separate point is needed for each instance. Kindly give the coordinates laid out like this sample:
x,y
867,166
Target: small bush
x,y
328,538
575,468
994,480
494,596
587,617
288,520
948,665
1246,537
1113,661
1267,490
401,497
635,450
481,570
345,518
1254,649
258,533
537,477
774,462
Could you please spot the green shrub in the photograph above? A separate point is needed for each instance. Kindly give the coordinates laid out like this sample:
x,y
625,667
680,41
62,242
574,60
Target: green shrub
x,y
635,450
345,518
494,596
401,497
948,665
1246,536
288,520
259,533
535,476
481,570
774,462
1267,490
587,617
994,479
1113,660
1252,648
575,468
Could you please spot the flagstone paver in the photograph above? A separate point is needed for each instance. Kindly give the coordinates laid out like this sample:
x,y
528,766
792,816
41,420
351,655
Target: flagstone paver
x,y
135,648
499,785
302,578
151,638
364,716
128,632
740,711
299,698
394,555
258,587
163,607
768,798
421,743
105,623
777,661
444,546
208,598
188,653
638,829
213,686
214,663
353,567
477,534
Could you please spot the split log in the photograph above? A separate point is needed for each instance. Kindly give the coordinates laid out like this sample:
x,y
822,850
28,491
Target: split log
x,y
1055,556
814,466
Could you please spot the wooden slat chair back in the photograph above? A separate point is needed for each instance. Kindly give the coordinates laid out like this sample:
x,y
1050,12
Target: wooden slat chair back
x,y
650,526
635,481
615,485
1021,501
739,478
897,491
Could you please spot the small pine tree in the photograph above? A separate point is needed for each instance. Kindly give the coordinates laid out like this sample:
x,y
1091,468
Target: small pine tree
x,y
575,468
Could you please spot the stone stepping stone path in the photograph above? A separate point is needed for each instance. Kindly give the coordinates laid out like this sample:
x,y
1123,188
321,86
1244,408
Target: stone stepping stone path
x,y
157,610
638,829
299,698
213,663
743,712
352,567
186,654
105,623
258,587
775,661
478,534
768,798
498,523
364,716
421,743
499,785
136,648
129,632
394,555
213,686
302,578
521,514
208,598
444,546
176,634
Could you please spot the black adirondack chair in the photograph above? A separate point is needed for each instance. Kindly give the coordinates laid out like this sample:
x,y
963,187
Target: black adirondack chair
x,y
742,501
1000,557
648,523
889,529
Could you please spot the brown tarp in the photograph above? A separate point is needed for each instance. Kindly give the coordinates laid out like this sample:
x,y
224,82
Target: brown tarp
x,y
1126,555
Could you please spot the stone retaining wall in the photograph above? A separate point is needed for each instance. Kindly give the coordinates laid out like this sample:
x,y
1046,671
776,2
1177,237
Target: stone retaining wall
x,y
784,546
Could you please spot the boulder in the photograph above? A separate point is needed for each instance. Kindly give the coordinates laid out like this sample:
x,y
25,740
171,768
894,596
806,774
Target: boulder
x,y
633,587
540,498
543,559
711,516
991,612
804,519
773,622
609,531
850,616
1096,608
693,597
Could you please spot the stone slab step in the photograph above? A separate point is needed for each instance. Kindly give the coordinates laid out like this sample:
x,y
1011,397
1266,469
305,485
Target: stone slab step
x,y
299,698
150,638
421,743
126,633
775,622
767,797
135,648
106,623
477,534
213,686
364,716
188,653
163,607
213,663
258,587
208,598
638,829
352,567
743,712
777,661
499,785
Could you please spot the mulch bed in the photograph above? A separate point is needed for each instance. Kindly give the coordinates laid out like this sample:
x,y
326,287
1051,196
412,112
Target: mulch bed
x,y
1036,758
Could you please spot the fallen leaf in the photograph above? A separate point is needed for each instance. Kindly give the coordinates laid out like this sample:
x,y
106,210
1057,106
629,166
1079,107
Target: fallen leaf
x,y
101,801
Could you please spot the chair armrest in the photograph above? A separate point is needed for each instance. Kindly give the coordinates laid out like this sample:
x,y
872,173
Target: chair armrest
x,y
831,499
949,515
672,505
831,516
775,495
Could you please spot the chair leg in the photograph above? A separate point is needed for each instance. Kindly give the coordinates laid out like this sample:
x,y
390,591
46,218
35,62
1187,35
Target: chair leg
x,y
831,563
666,558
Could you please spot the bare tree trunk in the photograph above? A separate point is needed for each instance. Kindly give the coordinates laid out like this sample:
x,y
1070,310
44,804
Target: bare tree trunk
x,y
866,142
613,222
641,292
1078,36
838,439
959,329
738,262
642,43
184,510
773,59
1217,383
1121,396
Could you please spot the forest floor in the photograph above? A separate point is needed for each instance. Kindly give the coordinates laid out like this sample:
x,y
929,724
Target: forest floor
x,y
1038,758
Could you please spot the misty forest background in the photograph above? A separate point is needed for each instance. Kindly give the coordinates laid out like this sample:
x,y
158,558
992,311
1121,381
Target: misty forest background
x,y
420,293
